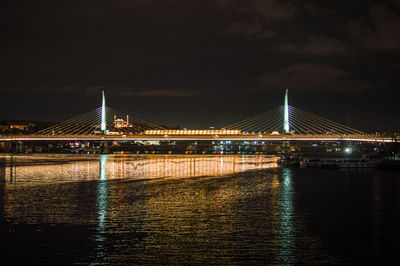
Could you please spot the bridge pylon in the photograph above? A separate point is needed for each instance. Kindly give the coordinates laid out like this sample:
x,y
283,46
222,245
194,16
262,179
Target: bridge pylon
x,y
287,120
286,114
104,147
103,126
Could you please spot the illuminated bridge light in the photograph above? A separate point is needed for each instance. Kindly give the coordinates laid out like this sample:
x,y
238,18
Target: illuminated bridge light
x,y
193,132
298,125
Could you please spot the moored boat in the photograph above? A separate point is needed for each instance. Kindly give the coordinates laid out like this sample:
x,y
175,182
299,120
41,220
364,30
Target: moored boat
x,y
340,162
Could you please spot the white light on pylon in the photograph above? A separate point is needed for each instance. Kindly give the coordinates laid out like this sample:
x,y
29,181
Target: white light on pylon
x,y
286,114
103,114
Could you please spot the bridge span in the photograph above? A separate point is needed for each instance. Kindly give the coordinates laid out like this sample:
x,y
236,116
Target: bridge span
x,y
236,137
284,123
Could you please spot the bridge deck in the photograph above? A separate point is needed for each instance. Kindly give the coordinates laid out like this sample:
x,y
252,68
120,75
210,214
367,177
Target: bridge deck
x,y
250,137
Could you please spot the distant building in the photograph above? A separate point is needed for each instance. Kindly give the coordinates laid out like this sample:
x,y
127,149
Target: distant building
x,y
21,126
121,123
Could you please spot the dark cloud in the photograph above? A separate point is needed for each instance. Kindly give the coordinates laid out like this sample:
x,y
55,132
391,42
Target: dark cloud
x,y
232,56
266,9
255,20
310,77
397,2
252,30
382,34
318,46
245,28
163,92
272,9
315,9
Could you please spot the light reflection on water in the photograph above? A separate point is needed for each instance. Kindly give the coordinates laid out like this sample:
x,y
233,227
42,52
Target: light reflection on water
x,y
286,231
191,209
102,204
31,169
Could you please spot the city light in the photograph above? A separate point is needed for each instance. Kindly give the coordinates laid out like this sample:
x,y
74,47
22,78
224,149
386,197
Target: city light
x,y
193,132
348,150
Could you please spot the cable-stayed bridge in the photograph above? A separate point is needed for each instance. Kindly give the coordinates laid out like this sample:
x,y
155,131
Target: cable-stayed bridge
x,y
285,123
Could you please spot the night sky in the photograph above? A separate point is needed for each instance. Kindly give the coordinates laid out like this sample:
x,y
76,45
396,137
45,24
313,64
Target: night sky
x,y
201,63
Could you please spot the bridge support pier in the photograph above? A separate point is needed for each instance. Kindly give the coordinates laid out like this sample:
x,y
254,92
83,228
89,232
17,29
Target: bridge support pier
x,y
104,147
19,147
285,152
2,171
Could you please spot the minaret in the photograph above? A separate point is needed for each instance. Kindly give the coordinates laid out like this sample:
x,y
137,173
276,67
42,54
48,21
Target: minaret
x,y
103,115
286,114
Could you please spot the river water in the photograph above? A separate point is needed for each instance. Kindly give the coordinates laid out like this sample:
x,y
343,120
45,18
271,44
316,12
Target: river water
x,y
128,209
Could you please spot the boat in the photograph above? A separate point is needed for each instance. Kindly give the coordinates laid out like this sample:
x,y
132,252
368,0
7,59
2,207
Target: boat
x,y
310,162
340,162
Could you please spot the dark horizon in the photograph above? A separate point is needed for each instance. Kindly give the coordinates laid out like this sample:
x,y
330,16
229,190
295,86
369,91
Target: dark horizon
x,y
201,64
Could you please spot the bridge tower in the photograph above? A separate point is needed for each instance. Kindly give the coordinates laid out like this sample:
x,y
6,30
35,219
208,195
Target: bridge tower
x,y
103,127
286,114
285,148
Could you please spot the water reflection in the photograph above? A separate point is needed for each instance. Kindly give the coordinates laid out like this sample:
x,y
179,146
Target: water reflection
x,y
46,202
13,169
73,169
286,232
376,218
2,186
102,204
2,170
190,210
